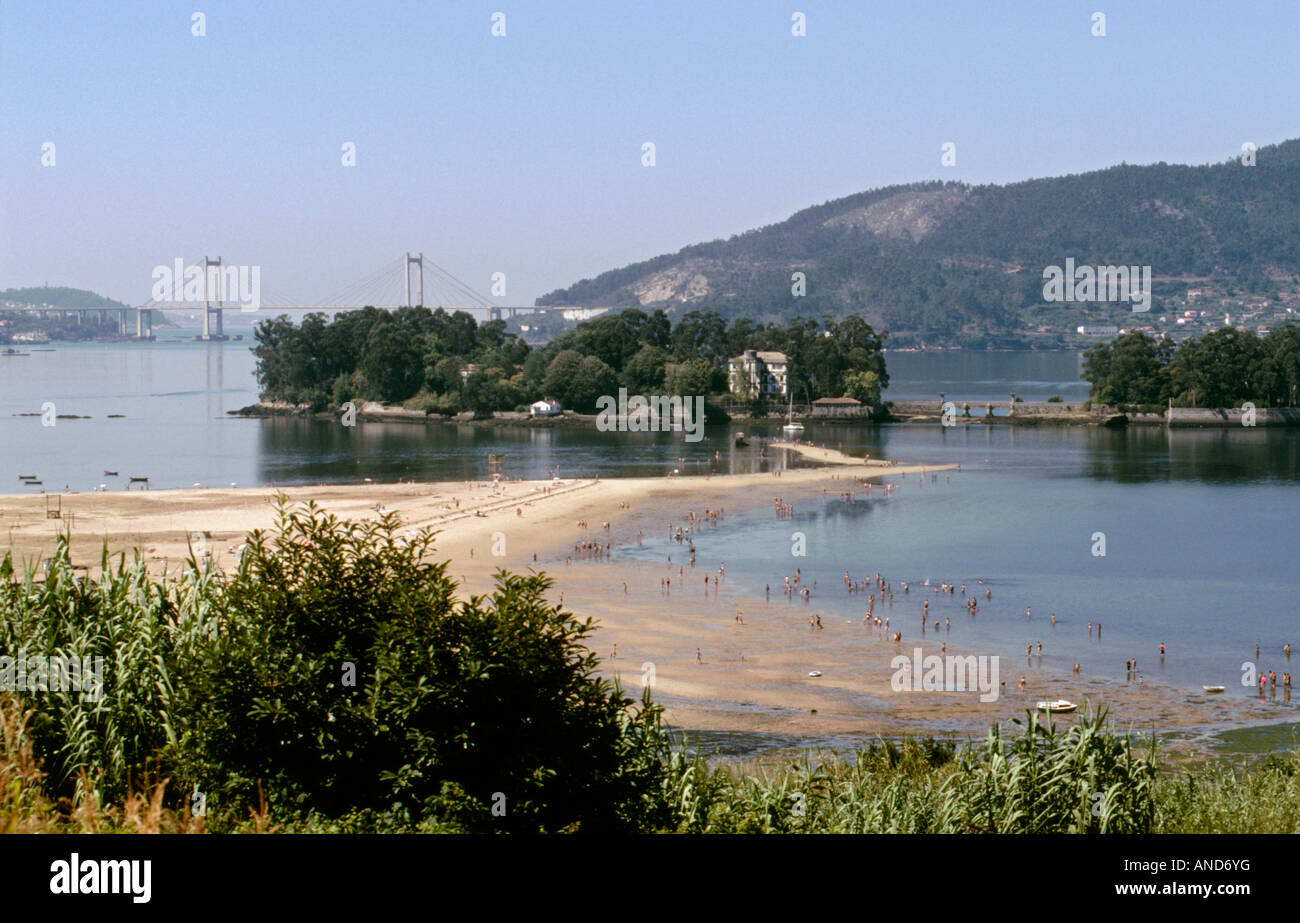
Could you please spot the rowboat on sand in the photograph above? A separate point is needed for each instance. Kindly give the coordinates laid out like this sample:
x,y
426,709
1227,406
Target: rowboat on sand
x,y
1057,705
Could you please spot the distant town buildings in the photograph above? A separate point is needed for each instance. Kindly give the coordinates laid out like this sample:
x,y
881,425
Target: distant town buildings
x,y
1098,331
757,374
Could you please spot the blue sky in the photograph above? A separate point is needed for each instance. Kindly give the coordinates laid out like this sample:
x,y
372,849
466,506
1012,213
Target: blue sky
x,y
522,154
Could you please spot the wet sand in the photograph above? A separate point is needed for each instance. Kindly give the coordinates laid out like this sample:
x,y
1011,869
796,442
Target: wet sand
x,y
753,677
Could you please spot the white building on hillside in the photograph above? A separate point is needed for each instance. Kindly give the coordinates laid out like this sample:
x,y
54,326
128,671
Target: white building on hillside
x,y
758,373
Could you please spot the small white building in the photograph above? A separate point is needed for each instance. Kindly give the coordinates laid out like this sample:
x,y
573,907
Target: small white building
x,y
545,409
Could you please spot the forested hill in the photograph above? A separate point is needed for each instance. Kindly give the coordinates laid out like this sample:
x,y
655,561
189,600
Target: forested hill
x,y
57,297
950,263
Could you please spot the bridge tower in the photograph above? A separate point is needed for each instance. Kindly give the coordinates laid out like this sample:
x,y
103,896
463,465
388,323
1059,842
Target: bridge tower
x,y
212,292
406,272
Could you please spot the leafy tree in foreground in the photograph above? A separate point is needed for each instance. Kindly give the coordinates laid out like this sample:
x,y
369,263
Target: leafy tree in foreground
x,y
349,677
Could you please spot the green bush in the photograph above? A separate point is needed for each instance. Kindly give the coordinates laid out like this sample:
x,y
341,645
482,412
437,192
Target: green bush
x,y
422,400
348,677
336,673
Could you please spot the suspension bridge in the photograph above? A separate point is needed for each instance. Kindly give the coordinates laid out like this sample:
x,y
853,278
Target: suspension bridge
x,y
216,286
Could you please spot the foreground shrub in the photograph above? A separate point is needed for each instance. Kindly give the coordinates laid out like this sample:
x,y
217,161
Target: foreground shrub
x,y
348,677
334,675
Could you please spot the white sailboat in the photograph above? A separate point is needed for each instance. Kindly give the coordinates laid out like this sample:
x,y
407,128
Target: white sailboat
x,y
792,430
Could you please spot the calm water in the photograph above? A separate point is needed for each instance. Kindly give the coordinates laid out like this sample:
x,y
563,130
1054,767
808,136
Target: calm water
x,y
174,395
1200,526
1200,546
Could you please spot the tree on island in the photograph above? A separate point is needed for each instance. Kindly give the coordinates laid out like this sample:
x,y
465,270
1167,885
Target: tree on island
x,y
1221,369
448,363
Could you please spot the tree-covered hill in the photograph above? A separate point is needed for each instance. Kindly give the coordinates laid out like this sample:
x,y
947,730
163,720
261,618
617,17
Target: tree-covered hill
x,y
950,263
57,297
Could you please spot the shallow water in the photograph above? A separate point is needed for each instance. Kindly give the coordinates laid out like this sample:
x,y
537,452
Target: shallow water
x,y
1198,548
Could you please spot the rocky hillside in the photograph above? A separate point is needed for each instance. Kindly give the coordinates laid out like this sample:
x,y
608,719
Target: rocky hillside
x,y
950,264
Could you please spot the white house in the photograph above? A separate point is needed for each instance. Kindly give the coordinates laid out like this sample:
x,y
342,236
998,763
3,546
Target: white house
x,y
757,373
545,409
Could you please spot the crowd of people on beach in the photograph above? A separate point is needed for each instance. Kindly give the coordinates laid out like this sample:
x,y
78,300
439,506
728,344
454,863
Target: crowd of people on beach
x,y
879,591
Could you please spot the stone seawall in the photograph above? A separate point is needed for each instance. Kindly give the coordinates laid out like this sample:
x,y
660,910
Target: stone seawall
x,y
1264,416
982,408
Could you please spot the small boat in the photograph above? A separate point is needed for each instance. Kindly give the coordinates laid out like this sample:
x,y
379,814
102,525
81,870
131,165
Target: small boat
x,y
792,429
814,672
110,474
26,477
1212,690
1057,705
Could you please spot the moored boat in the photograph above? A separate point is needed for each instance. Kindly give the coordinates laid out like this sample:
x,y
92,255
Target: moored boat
x,y
1057,705
792,429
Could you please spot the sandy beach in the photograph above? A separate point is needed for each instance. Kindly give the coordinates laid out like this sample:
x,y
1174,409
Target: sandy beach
x,y
750,677
536,516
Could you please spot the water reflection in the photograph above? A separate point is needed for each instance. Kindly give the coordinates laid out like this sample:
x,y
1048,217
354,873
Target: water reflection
x,y
1141,454
299,450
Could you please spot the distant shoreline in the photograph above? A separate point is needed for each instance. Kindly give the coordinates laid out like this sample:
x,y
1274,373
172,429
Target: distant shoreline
x,y
963,413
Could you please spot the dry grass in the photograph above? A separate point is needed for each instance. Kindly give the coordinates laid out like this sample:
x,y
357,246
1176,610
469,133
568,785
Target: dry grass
x,y
25,808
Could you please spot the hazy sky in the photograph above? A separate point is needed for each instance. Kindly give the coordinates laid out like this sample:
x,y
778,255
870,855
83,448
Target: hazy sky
x,y
522,154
